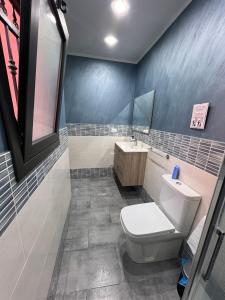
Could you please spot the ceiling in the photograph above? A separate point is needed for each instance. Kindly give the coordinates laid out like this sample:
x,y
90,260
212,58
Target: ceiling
x,y
89,21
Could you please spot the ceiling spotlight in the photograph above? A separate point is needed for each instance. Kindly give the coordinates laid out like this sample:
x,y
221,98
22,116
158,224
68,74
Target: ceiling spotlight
x,y
110,40
120,7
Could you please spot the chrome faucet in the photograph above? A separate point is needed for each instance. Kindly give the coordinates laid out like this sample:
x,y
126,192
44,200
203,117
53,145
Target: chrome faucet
x,y
133,140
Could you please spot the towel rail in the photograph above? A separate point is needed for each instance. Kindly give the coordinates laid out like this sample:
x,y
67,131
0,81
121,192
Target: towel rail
x,y
160,153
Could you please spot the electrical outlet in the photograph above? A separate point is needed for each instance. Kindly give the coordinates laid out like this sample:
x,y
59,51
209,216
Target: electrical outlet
x,y
113,130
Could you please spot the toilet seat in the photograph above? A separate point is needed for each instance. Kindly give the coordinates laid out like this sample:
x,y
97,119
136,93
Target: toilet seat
x,y
145,220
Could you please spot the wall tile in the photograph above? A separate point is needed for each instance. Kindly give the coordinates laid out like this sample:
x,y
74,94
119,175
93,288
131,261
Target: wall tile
x,y
76,129
14,196
205,154
12,260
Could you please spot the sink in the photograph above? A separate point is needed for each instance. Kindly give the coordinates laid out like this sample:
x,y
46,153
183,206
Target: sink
x,y
132,147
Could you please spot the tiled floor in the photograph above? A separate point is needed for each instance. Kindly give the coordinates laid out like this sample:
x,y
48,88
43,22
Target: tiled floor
x,y
95,264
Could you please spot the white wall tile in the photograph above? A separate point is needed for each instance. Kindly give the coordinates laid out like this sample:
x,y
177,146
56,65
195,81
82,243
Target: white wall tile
x,y
201,181
92,151
11,260
29,246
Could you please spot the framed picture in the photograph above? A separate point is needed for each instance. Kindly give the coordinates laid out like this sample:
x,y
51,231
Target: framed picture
x,y
199,116
32,121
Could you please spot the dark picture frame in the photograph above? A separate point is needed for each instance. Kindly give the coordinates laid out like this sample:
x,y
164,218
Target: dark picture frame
x,y
27,156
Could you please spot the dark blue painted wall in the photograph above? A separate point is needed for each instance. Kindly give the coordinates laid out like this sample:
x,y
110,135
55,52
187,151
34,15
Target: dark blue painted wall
x,y
187,66
62,123
98,91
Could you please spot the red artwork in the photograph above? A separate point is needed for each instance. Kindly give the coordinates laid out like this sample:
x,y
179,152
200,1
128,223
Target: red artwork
x,y
10,43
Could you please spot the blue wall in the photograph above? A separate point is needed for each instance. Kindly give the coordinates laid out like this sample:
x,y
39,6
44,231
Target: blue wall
x,y
187,66
98,91
62,123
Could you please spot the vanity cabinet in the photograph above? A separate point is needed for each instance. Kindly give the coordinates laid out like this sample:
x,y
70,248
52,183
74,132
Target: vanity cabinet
x,y
129,166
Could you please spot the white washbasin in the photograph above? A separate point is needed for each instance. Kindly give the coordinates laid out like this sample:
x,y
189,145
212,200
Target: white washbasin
x,y
132,147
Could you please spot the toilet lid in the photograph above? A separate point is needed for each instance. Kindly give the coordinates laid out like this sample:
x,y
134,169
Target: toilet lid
x,y
145,220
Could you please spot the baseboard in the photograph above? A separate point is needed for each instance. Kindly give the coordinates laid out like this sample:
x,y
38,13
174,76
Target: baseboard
x,y
91,173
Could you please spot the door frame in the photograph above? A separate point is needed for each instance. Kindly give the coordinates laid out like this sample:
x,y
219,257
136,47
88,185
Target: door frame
x,y
200,260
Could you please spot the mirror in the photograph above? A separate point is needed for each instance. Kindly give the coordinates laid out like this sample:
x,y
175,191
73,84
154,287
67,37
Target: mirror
x,y
143,111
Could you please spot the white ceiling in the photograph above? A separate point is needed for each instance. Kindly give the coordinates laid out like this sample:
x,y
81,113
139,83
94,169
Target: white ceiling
x,y
89,21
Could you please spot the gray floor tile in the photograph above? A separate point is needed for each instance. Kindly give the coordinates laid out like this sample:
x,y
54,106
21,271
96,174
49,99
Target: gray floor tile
x,y
76,239
80,295
99,216
103,181
76,244
57,297
144,290
95,264
134,200
138,272
62,279
114,292
99,202
169,295
107,201
104,234
81,202
83,182
93,268
79,218
81,192
107,191
114,213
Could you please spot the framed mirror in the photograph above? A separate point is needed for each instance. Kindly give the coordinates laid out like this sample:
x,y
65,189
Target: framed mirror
x,y
142,112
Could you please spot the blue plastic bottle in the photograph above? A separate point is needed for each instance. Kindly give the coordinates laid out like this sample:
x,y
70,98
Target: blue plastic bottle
x,y
176,172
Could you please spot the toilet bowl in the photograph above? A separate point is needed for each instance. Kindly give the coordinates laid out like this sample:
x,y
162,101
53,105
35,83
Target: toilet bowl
x,y
155,231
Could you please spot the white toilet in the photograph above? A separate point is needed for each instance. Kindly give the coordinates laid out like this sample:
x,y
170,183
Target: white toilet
x,y
155,232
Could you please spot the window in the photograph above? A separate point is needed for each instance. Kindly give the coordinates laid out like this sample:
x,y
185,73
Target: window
x,y
32,59
9,32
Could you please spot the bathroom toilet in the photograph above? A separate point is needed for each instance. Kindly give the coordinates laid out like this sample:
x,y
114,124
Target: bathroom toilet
x,y
155,231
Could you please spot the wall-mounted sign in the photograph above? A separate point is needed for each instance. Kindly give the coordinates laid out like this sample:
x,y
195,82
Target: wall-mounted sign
x,y
199,116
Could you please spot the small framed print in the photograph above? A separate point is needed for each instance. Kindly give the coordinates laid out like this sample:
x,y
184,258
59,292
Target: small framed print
x,y
199,116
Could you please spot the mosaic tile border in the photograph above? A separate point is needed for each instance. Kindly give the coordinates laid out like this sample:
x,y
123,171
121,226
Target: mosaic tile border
x,y
143,129
205,154
91,173
77,129
13,195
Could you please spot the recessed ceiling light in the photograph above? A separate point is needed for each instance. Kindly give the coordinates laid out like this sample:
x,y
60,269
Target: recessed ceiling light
x,y
120,7
110,40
